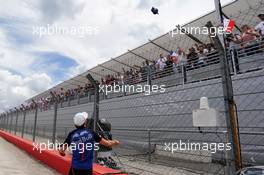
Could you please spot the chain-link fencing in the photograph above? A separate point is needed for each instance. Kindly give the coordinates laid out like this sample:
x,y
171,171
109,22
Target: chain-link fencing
x,y
156,129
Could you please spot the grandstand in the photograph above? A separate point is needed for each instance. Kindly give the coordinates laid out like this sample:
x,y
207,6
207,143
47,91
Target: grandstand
x,y
143,123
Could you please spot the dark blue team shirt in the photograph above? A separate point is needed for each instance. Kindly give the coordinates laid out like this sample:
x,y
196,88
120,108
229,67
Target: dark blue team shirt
x,y
82,143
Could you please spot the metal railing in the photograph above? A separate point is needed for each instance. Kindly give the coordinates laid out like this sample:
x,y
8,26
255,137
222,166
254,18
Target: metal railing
x,y
170,110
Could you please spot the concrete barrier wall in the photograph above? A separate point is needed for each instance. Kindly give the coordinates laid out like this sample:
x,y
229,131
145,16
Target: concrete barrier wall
x,y
51,157
172,110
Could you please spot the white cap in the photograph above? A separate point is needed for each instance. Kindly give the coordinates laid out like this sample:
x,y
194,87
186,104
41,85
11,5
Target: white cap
x,y
85,114
80,118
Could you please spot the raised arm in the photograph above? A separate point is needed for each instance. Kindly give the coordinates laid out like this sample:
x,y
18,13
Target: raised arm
x,y
109,143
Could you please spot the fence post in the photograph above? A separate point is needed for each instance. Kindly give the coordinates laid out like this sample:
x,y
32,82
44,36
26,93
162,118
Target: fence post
x,y
230,108
11,126
78,98
61,102
233,60
183,71
149,145
227,154
16,120
35,120
55,117
1,117
2,121
149,74
104,95
69,100
89,95
124,93
6,122
24,120
11,120
96,106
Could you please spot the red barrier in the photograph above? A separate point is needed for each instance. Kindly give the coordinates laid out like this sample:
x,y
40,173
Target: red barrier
x,y
51,157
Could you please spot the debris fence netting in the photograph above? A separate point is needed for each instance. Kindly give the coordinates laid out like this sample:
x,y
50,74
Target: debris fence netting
x,y
156,129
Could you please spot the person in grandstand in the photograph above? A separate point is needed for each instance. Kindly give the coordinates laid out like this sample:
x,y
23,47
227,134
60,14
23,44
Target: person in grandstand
x,y
249,38
260,26
82,143
248,34
160,65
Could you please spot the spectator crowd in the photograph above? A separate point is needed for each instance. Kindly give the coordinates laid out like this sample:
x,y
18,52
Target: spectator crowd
x,y
178,61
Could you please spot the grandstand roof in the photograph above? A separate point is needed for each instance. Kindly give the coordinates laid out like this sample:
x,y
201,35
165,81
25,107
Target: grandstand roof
x,y
242,11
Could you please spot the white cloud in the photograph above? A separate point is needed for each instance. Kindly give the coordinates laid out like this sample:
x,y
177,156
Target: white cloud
x,y
15,89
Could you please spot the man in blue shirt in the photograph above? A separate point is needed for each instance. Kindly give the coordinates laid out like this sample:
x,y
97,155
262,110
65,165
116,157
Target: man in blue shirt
x,y
83,142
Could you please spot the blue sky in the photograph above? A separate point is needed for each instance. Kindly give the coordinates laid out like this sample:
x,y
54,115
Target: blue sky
x,y
55,64
30,64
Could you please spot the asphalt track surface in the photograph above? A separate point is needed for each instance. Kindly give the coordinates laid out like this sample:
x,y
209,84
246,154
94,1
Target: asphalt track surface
x,y
13,161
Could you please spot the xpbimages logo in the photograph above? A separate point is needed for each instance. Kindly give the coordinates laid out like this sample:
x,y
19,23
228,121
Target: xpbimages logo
x,y
196,146
226,28
147,89
79,146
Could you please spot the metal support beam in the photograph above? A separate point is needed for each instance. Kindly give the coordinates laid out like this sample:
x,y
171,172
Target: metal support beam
x,y
1,121
24,120
235,162
35,119
3,116
152,42
54,130
138,55
98,74
108,68
74,80
189,35
16,120
11,122
6,122
96,106
66,82
122,63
